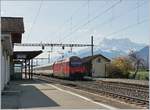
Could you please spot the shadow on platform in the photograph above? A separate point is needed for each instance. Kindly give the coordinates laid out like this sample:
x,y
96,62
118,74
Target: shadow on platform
x,y
28,97
27,81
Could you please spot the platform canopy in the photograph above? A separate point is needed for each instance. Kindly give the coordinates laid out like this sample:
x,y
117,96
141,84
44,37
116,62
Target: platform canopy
x,y
13,26
26,54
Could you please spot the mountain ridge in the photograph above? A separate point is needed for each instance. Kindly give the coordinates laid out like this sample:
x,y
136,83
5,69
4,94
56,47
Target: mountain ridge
x,y
112,48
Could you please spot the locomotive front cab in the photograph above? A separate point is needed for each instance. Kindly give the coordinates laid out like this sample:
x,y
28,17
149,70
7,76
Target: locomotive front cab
x,y
76,68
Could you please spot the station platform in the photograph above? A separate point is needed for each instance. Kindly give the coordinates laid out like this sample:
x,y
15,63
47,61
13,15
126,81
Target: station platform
x,y
34,94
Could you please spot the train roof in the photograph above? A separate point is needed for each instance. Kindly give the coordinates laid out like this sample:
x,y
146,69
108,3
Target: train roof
x,y
66,59
45,65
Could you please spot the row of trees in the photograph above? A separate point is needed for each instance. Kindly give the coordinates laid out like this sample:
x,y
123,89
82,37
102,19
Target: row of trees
x,y
122,66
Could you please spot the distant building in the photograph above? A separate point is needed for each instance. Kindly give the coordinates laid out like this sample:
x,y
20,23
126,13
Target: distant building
x,y
96,65
11,32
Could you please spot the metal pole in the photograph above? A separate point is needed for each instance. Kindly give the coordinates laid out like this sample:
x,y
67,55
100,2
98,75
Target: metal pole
x,y
21,69
92,45
92,55
25,69
49,57
31,68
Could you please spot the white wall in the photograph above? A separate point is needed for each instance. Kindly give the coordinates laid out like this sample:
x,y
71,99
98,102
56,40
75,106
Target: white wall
x,y
5,60
98,68
5,71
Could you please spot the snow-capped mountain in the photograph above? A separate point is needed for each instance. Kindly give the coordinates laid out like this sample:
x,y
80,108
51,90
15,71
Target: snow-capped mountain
x,y
112,48
123,44
97,50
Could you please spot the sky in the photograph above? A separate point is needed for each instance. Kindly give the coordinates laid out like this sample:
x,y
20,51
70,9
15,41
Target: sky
x,y
73,21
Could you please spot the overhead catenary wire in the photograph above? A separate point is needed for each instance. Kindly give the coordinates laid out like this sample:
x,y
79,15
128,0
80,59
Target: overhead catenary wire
x,y
89,13
70,19
138,17
127,27
121,15
36,17
88,21
73,31
139,21
92,19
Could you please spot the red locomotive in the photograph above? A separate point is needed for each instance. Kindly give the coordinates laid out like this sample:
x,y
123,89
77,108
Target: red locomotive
x,y
71,68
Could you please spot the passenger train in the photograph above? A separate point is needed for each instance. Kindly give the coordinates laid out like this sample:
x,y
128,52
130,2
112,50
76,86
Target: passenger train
x,y
70,67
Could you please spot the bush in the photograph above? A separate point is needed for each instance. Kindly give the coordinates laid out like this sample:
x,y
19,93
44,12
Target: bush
x,y
119,68
122,68
113,71
141,75
131,75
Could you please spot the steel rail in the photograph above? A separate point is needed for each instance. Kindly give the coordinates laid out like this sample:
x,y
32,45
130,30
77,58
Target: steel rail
x,y
121,92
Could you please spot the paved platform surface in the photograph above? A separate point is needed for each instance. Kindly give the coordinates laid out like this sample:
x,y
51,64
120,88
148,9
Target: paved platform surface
x,y
35,94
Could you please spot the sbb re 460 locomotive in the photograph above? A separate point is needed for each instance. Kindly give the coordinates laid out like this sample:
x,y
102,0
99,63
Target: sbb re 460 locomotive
x,y
70,67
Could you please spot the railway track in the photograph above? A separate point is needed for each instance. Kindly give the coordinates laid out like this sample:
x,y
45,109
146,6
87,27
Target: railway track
x,y
134,94
129,85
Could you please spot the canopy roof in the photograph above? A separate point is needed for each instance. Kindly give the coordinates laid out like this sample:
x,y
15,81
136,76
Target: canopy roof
x,y
12,24
26,54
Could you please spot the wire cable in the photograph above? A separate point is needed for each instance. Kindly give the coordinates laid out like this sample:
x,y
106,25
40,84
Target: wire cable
x,y
95,17
127,27
71,17
119,16
36,16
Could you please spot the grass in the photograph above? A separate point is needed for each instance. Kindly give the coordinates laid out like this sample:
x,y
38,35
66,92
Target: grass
x,y
141,75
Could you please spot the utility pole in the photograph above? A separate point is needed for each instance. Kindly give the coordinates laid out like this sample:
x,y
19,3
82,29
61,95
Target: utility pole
x,y
92,55
92,45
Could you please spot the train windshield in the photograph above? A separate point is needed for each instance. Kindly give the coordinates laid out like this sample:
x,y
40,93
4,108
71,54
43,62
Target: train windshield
x,y
75,63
